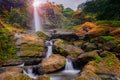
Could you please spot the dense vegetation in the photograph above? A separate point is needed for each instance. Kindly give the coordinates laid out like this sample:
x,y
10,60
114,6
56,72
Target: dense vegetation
x,y
14,12
7,46
103,9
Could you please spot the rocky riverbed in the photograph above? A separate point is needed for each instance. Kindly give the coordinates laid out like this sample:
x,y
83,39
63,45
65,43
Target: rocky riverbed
x,y
96,56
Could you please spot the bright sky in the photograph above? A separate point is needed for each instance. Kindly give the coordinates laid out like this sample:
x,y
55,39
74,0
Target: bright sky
x,y
68,3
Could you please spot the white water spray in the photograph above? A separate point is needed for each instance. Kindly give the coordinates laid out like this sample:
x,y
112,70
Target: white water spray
x,y
69,65
37,21
49,45
30,73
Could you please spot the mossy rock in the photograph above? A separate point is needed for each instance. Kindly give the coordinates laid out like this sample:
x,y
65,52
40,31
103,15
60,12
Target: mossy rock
x,y
32,50
42,35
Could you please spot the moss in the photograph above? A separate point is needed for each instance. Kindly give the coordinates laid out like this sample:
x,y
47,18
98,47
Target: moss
x,y
110,59
7,45
32,47
108,38
118,45
42,35
97,59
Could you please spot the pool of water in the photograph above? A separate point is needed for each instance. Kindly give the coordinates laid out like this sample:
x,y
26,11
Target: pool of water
x,y
64,75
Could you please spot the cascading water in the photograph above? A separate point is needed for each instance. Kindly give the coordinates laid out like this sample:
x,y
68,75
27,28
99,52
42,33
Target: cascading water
x,y
69,65
37,21
30,73
49,46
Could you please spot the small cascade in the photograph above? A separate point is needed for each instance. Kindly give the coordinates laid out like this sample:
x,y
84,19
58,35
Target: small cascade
x,y
30,73
69,65
21,65
49,46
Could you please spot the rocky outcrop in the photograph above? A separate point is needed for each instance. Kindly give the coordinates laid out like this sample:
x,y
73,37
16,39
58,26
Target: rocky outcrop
x,y
65,49
53,63
30,45
109,65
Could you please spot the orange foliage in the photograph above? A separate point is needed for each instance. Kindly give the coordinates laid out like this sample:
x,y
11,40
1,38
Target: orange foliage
x,y
116,32
85,28
89,28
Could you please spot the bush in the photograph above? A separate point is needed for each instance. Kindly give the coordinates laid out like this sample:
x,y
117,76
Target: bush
x,y
7,47
17,17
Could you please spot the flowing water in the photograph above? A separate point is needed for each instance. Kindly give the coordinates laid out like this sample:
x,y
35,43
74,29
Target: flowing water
x,y
69,65
30,73
37,21
49,46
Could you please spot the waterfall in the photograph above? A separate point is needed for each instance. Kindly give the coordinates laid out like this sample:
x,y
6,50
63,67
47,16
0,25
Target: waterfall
x,y
69,65
37,21
30,73
49,46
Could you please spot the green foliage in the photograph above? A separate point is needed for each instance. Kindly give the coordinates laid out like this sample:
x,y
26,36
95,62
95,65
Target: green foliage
x,y
103,9
108,23
108,38
17,18
7,47
67,12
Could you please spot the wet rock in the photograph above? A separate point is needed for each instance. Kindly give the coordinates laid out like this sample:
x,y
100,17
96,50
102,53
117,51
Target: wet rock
x,y
78,43
11,69
43,77
109,65
88,75
105,53
26,61
86,57
66,49
32,50
110,45
13,76
53,63
42,35
88,46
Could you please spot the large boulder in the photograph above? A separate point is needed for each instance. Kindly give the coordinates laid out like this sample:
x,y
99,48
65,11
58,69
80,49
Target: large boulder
x,y
13,76
53,63
31,46
65,49
86,57
109,65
